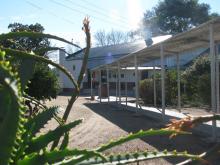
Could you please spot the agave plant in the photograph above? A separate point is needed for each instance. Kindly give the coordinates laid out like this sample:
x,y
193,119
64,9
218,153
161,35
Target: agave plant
x,y
19,141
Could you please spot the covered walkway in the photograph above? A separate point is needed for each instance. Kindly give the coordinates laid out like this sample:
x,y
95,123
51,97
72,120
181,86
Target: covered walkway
x,y
206,35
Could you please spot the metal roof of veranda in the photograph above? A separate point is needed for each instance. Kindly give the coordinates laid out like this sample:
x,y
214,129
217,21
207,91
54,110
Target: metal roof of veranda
x,y
193,39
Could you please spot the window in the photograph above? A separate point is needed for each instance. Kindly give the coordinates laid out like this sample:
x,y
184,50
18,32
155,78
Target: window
x,y
114,75
74,67
134,74
122,75
110,75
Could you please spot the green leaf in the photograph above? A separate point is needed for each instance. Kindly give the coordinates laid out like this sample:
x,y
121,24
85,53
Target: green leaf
x,y
11,109
65,141
33,35
38,121
42,141
24,73
137,157
56,156
25,55
139,134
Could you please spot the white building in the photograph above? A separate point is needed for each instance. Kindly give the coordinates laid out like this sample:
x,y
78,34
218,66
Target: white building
x,y
104,55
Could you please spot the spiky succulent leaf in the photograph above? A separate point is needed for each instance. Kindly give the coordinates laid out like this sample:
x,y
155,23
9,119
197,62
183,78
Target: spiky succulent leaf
x,y
38,121
38,143
137,157
25,55
33,35
24,73
11,111
140,134
65,141
57,156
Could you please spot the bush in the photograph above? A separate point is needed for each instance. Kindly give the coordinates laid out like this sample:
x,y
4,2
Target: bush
x,y
44,84
192,76
146,89
197,79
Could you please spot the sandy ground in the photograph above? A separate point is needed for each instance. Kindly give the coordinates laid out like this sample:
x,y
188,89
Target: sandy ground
x,y
104,122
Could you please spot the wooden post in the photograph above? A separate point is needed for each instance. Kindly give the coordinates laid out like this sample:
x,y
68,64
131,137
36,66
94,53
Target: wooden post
x,y
155,90
136,81
91,85
213,81
162,80
178,82
107,79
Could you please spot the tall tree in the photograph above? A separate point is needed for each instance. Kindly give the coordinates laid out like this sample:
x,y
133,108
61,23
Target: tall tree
x,y
43,75
175,16
25,43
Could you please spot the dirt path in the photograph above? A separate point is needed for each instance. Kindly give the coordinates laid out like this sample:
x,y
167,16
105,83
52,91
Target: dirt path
x,y
104,122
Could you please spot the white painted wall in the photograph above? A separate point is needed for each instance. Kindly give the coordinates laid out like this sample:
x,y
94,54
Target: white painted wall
x,y
72,66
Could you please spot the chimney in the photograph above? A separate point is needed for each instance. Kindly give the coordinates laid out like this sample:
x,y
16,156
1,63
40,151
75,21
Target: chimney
x,y
147,37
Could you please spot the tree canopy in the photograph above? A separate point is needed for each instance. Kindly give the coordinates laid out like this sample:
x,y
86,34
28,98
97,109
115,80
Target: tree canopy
x,y
175,16
44,83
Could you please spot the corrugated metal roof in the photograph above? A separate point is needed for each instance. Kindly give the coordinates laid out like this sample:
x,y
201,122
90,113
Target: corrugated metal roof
x,y
108,54
187,41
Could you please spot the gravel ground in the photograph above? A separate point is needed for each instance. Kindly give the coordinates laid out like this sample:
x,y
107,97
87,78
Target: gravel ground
x,y
104,122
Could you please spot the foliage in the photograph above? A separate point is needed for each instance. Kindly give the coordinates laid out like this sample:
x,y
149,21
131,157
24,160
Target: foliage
x,y
197,81
48,82
20,142
175,16
146,88
42,73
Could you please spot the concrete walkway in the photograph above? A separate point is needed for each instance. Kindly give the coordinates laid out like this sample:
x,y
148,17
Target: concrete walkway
x,y
205,129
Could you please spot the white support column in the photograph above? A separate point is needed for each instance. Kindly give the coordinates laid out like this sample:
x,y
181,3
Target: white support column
x,y
91,85
126,89
217,79
116,87
155,90
178,82
213,82
136,81
100,86
119,82
162,80
107,80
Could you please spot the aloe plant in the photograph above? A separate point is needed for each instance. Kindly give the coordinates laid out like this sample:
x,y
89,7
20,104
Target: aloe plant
x,y
19,141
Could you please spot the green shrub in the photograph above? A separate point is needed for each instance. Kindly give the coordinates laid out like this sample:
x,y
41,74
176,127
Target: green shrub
x,y
44,84
197,79
146,89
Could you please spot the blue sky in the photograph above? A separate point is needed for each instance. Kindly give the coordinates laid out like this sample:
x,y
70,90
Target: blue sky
x,y
64,18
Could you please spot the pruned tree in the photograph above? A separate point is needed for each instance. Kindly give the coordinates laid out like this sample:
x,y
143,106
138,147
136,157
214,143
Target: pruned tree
x,y
100,37
114,37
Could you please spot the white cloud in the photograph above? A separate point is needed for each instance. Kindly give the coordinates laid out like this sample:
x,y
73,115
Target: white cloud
x,y
135,12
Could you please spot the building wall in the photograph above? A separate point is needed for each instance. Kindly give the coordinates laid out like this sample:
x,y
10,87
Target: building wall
x,y
72,66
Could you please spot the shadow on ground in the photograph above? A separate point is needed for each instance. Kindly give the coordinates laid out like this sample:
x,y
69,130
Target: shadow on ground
x,y
131,122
